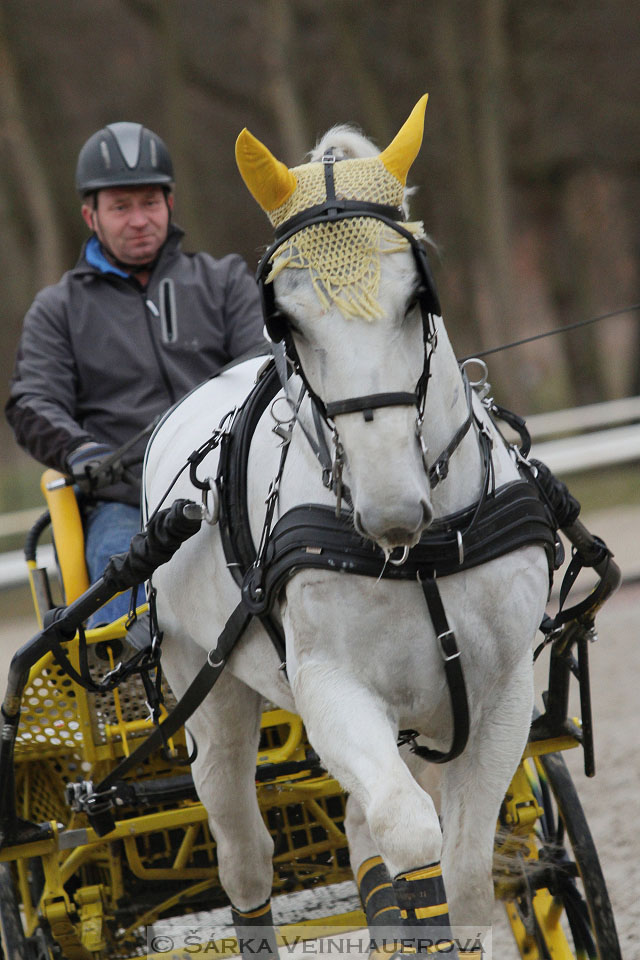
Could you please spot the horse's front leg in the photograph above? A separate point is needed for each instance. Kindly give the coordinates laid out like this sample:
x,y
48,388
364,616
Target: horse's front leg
x,y
348,726
372,877
226,728
483,772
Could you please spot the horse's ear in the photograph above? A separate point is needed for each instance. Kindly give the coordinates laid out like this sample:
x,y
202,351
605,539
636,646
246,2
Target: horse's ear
x,y
404,147
269,181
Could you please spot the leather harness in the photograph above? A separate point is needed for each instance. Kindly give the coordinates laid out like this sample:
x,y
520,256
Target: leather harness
x,y
312,536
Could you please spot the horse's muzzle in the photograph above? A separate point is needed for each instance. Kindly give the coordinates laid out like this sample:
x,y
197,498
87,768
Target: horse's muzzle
x,y
395,524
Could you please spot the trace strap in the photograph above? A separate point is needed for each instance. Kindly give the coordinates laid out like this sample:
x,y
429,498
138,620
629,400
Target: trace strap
x,y
195,694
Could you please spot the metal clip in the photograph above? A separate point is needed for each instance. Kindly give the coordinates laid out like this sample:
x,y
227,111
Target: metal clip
x,y
402,559
442,640
481,386
214,663
336,470
211,514
460,547
424,450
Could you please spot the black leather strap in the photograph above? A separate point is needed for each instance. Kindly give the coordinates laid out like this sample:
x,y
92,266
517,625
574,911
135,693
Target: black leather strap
x,y
329,162
367,404
440,468
189,703
454,675
332,209
311,535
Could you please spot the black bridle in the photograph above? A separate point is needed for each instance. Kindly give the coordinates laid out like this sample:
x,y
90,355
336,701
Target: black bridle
x,y
333,210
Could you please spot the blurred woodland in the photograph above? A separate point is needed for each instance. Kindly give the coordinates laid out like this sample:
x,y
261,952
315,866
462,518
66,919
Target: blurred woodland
x,y
528,179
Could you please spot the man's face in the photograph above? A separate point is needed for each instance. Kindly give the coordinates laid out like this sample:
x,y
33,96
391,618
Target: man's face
x,y
131,222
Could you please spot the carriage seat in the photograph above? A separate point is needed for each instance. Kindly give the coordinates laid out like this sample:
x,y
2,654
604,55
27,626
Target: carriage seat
x,y
68,536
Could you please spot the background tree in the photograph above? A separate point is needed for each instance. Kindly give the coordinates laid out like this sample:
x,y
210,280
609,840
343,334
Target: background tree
x,y
528,178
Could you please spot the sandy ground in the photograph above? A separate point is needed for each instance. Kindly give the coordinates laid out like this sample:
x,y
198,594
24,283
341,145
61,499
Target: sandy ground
x,y
612,799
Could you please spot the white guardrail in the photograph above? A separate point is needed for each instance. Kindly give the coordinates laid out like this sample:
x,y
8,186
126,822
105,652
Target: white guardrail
x,y
568,441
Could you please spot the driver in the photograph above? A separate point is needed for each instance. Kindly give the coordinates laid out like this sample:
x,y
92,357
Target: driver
x,y
134,326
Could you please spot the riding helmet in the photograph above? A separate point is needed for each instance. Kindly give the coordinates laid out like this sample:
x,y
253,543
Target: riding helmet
x,y
123,154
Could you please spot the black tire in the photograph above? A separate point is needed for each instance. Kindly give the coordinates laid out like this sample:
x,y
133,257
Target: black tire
x,y
12,938
13,943
590,891
560,906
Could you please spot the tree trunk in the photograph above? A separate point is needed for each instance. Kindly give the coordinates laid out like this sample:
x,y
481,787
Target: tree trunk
x,y
36,201
494,193
281,91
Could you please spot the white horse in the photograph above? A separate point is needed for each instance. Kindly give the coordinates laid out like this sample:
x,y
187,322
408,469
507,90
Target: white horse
x,y
362,658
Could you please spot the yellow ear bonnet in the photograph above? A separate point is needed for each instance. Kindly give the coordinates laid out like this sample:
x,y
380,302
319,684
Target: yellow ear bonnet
x,y
282,192
405,146
342,259
268,180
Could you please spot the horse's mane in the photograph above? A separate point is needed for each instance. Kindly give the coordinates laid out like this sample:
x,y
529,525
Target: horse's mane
x,y
346,142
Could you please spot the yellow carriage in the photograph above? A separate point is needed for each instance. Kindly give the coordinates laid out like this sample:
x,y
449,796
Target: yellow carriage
x,y
85,888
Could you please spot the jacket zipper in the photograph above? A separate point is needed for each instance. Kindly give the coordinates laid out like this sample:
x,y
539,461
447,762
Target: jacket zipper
x,y
147,306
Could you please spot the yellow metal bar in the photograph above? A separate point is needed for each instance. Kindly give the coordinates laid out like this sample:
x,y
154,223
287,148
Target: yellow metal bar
x,y
310,850
184,851
137,826
32,566
161,873
323,818
274,718
68,534
536,748
30,914
552,933
275,794
152,915
39,848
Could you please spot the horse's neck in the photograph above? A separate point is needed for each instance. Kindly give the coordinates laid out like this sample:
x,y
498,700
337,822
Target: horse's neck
x,y
445,412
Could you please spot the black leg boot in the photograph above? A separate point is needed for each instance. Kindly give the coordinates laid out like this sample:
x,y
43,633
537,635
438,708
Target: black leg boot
x,y
255,933
422,900
379,903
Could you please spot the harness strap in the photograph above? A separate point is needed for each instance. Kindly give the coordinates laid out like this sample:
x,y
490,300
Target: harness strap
x,y
454,676
189,703
368,403
334,209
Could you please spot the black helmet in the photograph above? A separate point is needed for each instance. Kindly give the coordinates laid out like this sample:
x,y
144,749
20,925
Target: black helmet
x,y
123,154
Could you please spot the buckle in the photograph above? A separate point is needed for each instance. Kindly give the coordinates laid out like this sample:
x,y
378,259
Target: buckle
x,y
448,646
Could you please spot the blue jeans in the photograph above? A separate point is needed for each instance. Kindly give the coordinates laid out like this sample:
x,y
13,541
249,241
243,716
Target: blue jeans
x,y
108,529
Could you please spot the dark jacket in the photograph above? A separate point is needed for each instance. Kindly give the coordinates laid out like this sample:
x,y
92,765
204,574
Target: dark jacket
x,y
100,357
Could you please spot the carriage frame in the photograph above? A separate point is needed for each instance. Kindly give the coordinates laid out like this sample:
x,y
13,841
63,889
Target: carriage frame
x,y
68,891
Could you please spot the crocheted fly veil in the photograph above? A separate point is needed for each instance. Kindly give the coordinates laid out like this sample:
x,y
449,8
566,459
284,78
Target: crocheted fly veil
x,y
342,259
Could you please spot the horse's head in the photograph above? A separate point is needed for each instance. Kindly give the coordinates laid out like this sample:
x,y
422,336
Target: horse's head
x,y
346,285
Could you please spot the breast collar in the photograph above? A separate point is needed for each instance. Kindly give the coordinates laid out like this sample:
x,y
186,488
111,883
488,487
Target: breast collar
x,y
310,535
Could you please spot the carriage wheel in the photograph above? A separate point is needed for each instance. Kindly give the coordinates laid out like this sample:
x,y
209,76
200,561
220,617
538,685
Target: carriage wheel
x,y
13,943
562,910
12,939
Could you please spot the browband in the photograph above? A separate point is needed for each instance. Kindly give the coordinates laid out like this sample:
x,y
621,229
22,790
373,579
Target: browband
x,y
331,209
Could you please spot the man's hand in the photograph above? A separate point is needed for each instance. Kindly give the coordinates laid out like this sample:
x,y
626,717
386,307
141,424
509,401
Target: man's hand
x,y
83,462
